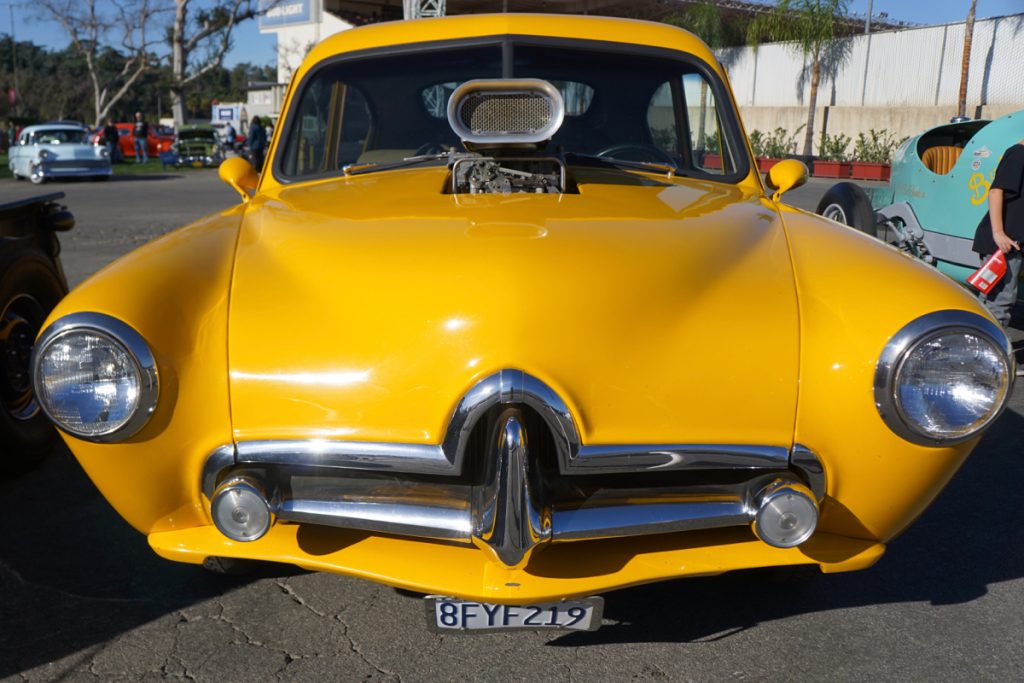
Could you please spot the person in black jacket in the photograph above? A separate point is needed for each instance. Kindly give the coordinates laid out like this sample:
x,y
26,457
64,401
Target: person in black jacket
x,y
257,142
1003,228
111,140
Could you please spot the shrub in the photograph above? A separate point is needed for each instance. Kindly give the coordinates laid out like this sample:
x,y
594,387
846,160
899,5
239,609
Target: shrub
x,y
833,147
774,145
876,147
711,143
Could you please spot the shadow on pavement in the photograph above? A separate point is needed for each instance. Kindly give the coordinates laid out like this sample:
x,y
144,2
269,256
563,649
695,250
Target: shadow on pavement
x,y
73,574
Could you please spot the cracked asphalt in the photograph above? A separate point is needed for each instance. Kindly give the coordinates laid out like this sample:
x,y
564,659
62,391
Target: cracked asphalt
x,y
82,598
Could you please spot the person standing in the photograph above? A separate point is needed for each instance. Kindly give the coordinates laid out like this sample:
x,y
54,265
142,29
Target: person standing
x,y
111,140
257,142
141,135
229,138
1002,227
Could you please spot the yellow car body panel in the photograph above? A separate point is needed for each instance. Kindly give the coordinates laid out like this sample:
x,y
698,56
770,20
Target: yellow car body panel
x,y
174,292
379,268
466,573
662,309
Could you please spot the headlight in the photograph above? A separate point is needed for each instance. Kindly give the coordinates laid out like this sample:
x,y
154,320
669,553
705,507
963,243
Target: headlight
x,y
95,377
45,155
103,152
943,378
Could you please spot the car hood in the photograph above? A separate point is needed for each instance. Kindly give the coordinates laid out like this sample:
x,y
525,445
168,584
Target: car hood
x,y
660,311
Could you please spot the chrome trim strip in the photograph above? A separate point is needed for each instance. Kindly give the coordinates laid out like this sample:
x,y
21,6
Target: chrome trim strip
x,y
421,521
807,463
589,523
636,458
905,341
505,86
122,334
359,455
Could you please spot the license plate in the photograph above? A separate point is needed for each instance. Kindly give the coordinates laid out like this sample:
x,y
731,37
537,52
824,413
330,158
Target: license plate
x,y
449,614
197,164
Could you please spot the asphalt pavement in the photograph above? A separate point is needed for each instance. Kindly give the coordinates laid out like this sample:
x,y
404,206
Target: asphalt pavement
x,y
82,597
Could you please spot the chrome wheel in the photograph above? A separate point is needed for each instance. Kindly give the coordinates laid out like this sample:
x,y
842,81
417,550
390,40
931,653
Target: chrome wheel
x,y
836,213
36,174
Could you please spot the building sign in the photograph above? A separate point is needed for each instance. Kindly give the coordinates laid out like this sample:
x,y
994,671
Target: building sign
x,y
275,13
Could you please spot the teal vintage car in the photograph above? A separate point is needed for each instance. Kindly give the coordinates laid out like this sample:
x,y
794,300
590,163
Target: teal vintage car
x,y
937,194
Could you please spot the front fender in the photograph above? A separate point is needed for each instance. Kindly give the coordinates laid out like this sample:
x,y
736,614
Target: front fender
x,y
855,293
174,291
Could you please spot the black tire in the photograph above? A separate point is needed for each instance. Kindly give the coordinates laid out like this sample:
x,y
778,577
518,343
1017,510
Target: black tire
x,y
847,203
29,289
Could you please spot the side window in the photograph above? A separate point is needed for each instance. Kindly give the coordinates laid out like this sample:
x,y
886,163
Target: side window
x,y
684,121
333,127
661,119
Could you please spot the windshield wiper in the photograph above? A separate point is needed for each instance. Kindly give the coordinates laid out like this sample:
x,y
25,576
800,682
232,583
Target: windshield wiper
x,y
356,169
668,170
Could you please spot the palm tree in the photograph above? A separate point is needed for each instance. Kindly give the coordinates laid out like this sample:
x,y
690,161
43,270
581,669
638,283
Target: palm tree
x,y
812,27
965,65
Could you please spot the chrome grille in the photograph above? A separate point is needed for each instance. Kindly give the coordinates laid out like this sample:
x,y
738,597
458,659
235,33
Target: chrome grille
x,y
490,113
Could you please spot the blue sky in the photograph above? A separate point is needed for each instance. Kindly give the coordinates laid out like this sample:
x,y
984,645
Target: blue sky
x,y
251,46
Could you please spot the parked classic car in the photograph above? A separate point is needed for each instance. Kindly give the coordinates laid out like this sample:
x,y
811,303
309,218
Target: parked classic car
x,y
484,329
160,139
198,145
57,150
31,283
937,194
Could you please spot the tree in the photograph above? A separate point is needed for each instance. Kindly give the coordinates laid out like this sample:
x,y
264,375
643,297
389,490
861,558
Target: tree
x,y
199,42
89,29
812,26
965,64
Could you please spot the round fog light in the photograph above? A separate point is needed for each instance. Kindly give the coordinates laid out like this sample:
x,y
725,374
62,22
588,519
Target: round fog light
x,y
241,511
787,514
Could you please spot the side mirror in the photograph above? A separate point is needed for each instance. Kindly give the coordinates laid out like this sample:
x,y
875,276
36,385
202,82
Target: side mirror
x,y
239,174
784,176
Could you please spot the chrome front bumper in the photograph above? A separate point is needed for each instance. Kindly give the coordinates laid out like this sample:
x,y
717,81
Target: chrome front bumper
x,y
48,170
523,481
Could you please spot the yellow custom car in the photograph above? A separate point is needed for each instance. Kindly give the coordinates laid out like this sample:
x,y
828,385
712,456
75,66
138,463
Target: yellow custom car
x,y
495,326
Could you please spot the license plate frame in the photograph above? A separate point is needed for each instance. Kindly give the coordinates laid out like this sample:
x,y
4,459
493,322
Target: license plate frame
x,y
483,616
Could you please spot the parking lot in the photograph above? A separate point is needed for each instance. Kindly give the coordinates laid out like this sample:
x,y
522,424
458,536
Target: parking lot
x,y
82,597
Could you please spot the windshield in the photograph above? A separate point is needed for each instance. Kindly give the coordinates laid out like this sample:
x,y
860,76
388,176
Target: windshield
x,y
666,108
57,136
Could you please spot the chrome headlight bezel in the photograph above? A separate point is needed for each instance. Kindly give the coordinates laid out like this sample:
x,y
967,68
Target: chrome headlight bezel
x,y
905,342
120,334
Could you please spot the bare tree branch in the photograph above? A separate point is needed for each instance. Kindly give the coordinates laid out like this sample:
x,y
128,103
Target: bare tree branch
x,y
89,30
211,29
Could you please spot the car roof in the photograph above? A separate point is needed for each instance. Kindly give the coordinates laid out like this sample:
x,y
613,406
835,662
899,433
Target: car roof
x,y
564,26
52,126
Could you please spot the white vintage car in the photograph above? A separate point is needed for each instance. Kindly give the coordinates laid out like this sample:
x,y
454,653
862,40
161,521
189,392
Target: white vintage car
x,y
57,150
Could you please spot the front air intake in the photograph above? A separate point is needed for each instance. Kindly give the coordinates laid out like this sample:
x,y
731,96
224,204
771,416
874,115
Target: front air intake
x,y
512,112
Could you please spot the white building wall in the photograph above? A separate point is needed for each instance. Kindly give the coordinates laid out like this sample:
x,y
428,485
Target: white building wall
x,y
294,42
903,81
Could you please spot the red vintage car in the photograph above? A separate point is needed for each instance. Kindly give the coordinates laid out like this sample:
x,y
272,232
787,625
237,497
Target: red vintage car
x,y
155,143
